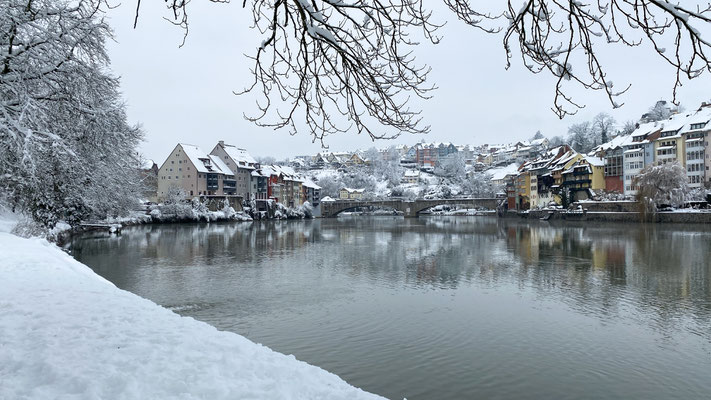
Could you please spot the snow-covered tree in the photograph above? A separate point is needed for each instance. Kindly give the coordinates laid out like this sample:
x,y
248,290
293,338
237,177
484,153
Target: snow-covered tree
x,y
316,60
537,136
581,137
479,185
453,166
661,110
603,125
628,128
66,150
556,141
662,185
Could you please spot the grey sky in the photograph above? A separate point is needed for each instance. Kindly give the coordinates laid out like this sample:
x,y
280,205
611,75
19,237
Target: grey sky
x,y
185,94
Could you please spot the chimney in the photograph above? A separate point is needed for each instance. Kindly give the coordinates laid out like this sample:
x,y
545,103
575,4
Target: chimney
x,y
222,143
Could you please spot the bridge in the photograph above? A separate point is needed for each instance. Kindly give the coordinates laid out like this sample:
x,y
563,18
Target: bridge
x,y
410,209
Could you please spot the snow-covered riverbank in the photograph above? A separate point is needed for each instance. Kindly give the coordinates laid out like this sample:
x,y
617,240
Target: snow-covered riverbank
x,y
65,332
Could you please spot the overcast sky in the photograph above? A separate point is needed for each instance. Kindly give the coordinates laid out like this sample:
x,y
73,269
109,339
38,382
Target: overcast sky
x,y
186,94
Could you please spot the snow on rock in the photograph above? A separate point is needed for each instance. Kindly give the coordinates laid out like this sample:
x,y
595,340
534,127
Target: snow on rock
x,y
65,332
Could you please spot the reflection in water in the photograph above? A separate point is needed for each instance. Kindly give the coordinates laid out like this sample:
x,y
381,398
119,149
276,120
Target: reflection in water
x,y
444,307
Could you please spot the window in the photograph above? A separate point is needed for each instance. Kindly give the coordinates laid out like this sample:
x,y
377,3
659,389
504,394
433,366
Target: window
x,y
698,125
172,162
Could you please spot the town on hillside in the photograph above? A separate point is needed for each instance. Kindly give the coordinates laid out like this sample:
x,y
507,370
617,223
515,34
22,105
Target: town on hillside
x,y
525,175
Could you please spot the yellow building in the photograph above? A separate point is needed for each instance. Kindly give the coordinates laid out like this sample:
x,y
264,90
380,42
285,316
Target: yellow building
x,y
670,146
586,174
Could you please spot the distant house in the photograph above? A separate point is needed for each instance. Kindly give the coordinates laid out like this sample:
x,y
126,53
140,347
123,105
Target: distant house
x,y
411,176
351,194
356,159
199,174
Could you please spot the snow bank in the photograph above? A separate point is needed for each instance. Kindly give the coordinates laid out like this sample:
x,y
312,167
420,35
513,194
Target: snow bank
x,y
65,332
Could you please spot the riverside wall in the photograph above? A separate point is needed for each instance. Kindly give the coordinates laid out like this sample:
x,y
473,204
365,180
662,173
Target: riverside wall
x,y
692,217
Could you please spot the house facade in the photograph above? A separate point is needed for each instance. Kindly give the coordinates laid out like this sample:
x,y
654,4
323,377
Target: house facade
x,y
195,172
240,163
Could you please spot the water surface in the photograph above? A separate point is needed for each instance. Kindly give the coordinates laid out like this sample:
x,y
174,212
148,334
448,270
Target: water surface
x,y
444,307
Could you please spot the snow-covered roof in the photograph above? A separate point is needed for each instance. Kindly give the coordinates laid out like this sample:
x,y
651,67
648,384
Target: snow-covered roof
x,y
412,173
197,156
350,190
675,122
539,142
615,143
311,184
498,174
595,161
327,199
702,116
221,166
240,156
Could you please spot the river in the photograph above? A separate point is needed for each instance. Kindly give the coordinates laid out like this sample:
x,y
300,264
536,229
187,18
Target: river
x,y
443,307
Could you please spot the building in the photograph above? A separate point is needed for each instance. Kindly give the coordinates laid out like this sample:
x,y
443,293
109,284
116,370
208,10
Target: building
x,y
351,194
240,163
584,176
638,153
696,143
411,176
195,172
613,154
259,185
542,181
429,154
312,192
669,147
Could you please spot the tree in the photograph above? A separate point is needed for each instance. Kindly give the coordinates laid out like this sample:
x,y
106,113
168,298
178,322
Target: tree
x,y
319,59
662,185
628,128
452,166
581,137
556,141
661,110
479,185
603,125
66,150
537,136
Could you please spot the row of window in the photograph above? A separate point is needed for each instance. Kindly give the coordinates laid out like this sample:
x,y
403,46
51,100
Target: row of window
x,y
695,179
631,187
666,152
634,155
695,155
694,167
634,165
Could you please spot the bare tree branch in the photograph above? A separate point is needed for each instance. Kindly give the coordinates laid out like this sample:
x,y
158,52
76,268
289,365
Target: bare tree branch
x,y
322,58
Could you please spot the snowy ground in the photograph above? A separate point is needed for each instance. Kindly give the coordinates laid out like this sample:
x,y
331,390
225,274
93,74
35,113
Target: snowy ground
x,y
66,333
